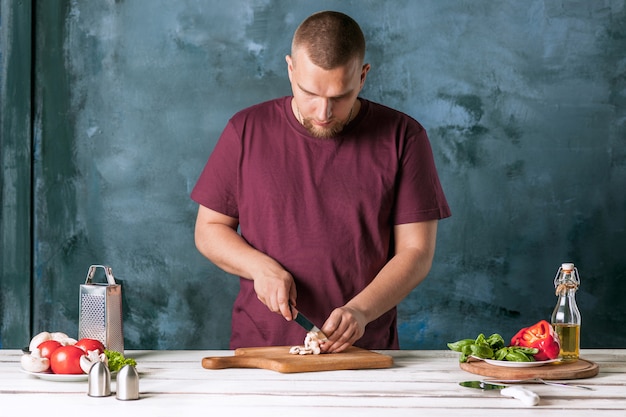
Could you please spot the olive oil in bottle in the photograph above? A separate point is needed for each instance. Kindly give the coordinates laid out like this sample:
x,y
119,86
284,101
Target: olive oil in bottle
x,y
566,318
569,336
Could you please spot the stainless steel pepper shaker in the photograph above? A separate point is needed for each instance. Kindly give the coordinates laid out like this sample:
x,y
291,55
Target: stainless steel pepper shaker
x,y
127,384
99,380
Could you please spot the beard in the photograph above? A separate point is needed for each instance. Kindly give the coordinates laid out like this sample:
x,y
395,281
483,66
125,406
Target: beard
x,y
326,132
323,132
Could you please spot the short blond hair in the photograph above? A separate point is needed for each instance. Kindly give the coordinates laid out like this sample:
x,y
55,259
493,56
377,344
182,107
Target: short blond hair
x,y
330,39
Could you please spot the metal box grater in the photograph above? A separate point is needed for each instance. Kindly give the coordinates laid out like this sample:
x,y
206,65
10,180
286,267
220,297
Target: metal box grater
x,y
101,310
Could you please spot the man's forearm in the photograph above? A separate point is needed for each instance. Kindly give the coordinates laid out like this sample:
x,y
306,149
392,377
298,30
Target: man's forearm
x,y
405,270
225,248
217,238
396,280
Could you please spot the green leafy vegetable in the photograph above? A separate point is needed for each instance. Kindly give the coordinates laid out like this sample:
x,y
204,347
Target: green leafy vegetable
x,y
117,361
495,341
492,347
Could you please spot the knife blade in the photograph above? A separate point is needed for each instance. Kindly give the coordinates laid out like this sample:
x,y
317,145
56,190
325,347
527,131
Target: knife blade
x,y
526,396
307,324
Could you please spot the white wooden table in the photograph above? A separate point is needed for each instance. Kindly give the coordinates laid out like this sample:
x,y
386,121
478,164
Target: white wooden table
x,y
421,383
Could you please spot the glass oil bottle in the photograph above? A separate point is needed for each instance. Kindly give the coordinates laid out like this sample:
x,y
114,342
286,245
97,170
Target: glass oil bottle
x,y
566,317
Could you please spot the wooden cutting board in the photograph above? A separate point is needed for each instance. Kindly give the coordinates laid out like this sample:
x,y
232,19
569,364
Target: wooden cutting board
x,y
553,371
278,358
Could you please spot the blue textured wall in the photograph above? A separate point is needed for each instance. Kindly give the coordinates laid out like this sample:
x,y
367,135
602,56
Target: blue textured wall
x,y
524,103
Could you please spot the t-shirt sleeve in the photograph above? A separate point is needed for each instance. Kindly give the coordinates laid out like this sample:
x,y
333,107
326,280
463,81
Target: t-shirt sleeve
x,y
419,196
216,187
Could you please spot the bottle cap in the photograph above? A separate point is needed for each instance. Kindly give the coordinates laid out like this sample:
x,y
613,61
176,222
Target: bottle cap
x,y
127,384
99,380
567,266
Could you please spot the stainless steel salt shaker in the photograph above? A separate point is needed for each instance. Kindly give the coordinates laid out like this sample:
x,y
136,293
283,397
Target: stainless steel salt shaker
x,y
127,384
99,380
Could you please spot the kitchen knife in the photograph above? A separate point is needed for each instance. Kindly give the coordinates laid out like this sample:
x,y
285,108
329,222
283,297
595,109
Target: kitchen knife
x,y
526,396
307,324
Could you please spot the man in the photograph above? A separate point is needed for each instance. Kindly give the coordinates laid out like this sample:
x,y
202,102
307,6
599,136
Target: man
x,y
336,198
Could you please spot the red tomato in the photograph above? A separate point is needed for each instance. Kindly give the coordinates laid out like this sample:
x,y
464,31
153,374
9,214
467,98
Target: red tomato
x,y
48,347
66,360
90,344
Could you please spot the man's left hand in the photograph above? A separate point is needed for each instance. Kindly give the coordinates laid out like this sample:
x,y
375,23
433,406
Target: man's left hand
x,y
343,327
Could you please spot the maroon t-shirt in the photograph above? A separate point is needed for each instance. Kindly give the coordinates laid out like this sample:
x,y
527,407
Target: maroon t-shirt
x,y
323,208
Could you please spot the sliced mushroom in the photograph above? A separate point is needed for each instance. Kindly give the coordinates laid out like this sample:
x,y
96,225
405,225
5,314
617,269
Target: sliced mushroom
x,y
311,345
91,358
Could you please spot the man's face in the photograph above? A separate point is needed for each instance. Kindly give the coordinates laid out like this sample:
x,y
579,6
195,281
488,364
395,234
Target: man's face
x,y
323,99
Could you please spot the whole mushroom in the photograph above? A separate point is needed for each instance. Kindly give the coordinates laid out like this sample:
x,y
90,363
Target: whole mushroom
x,y
39,339
33,362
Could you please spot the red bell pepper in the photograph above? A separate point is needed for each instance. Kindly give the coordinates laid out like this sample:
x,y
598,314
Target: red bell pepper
x,y
540,336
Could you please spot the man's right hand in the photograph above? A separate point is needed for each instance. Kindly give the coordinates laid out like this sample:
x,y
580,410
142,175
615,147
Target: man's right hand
x,y
277,290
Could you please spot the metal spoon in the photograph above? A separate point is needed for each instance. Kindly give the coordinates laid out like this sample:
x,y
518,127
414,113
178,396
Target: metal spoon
x,y
540,381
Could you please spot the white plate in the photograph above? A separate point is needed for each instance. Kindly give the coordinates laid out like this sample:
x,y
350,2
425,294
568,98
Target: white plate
x,y
49,376
511,364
